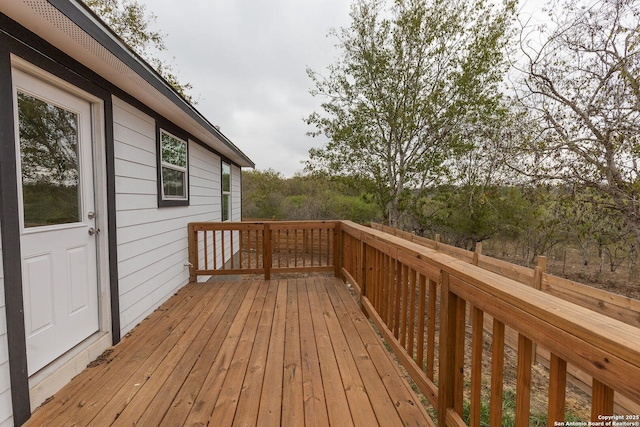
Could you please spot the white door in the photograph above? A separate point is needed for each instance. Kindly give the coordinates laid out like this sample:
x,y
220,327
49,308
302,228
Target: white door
x,y
57,220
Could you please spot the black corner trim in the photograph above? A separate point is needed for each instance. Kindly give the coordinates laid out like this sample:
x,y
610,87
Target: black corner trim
x,y
112,226
10,223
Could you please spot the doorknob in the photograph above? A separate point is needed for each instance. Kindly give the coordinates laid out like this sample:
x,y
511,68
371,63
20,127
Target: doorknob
x,y
93,231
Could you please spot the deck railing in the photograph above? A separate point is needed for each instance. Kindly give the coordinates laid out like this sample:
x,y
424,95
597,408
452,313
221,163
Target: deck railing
x,y
430,308
262,247
612,305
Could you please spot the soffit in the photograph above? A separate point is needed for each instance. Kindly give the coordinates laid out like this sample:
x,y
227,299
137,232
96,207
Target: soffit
x,y
110,58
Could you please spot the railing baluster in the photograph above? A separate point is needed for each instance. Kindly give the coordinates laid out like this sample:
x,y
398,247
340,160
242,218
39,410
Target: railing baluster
x,y
398,288
557,389
378,270
321,237
431,329
403,310
459,354
391,283
329,245
421,313
206,250
304,247
373,279
523,383
601,400
231,252
215,251
497,372
257,248
223,245
266,251
412,311
384,274
311,246
477,338
287,248
295,247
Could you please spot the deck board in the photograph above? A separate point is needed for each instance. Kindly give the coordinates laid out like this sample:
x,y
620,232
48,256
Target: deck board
x,y
289,352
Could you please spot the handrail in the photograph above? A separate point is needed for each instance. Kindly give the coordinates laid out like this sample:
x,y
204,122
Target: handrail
x,y
418,299
612,305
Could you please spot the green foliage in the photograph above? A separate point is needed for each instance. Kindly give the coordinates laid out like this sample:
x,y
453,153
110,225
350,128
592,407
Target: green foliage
x,y
536,419
262,194
129,20
415,79
267,194
466,215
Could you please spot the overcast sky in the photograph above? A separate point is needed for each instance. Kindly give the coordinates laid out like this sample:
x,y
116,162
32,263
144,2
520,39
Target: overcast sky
x,y
246,60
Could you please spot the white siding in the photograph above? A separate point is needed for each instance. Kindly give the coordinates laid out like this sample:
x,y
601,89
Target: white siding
x,y
152,241
6,409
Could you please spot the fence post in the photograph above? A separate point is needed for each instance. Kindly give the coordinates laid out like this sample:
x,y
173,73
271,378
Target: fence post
x,y
193,252
537,284
476,254
437,241
266,251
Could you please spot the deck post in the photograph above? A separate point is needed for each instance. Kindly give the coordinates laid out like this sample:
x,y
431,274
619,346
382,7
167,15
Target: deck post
x,y
193,252
447,375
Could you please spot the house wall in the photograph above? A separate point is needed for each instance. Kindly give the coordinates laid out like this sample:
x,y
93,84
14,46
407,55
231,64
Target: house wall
x,y
6,419
152,241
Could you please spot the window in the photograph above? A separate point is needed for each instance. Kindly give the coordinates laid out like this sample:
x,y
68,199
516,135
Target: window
x,y
174,171
226,192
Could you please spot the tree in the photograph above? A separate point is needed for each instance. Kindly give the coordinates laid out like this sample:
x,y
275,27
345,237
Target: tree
x,y
414,82
129,20
262,196
581,83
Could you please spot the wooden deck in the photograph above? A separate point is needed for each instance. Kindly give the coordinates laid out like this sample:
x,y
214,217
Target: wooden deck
x,y
288,352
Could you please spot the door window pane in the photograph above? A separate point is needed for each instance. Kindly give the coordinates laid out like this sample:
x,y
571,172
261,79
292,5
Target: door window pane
x,y
49,162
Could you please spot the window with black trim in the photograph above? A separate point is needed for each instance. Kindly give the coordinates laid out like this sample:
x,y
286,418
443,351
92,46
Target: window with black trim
x,y
174,170
226,192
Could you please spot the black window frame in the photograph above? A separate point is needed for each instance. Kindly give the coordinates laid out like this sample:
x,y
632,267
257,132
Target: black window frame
x,y
176,132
